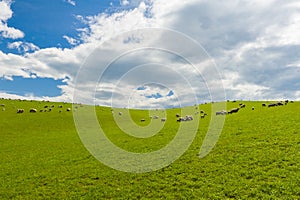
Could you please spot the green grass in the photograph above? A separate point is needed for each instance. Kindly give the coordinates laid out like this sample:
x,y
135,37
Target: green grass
x,y
256,157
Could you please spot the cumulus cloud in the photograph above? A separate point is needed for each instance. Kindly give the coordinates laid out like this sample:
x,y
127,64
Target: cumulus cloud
x,y
6,14
23,46
255,45
71,40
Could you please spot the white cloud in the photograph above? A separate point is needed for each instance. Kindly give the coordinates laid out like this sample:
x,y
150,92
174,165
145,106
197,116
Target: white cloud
x,y
23,46
124,2
6,14
71,40
71,2
255,45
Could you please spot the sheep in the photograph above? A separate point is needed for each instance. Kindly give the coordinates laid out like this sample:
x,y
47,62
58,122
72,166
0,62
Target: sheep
x,y
263,105
177,115
120,113
253,108
180,119
2,105
143,120
32,110
163,119
186,118
279,103
45,106
60,106
41,110
223,112
272,105
189,117
155,117
20,110
68,109
243,106
234,110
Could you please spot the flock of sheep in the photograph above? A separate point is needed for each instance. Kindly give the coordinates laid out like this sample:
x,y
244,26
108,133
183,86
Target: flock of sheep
x,y
45,108
178,117
241,105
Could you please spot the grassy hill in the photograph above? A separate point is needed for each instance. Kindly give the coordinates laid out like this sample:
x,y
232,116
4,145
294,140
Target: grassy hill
x,y
257,156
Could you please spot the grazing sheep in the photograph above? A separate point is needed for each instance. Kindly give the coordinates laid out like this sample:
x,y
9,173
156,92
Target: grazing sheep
x,y
234,110
120,113
279,103
180,119
177,115
163,119
60,106
223,112
155,117
243,106
263,105
45,106
253,108
41,110
52,106
50,109
186,118
142,120
32,110
2,105
189,117
272,105
60,111
201,111
68,109
20,110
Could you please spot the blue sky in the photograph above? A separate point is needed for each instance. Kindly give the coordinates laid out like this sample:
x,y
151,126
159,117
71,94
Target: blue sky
x,y
44,24
252,46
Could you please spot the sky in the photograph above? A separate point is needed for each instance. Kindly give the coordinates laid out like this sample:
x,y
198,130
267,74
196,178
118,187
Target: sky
x,y
149,53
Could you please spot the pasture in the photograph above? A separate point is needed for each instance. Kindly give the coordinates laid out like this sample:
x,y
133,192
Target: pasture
x,y
256,157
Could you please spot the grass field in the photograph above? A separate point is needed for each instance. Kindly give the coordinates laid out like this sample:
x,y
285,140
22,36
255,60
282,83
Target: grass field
x,y
256,157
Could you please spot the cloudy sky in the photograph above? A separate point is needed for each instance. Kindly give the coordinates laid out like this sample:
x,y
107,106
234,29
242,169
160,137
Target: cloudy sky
x,y
151,53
